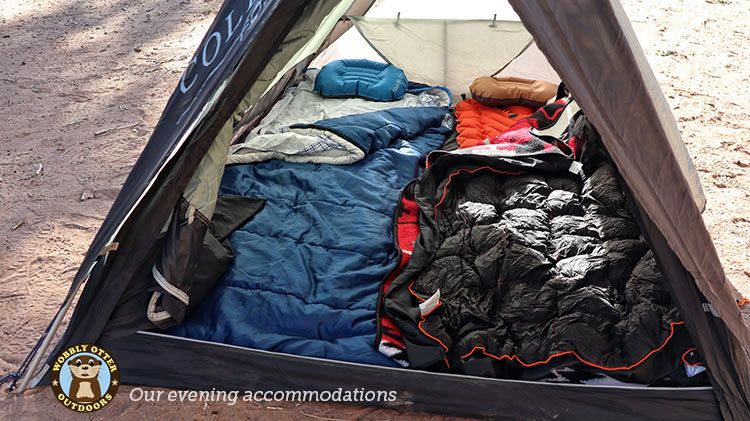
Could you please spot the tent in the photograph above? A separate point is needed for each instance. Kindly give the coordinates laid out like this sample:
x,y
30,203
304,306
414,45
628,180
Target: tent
x,y
253,49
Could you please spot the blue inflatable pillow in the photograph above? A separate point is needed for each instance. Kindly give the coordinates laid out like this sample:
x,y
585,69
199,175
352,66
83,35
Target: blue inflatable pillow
x,y
361,78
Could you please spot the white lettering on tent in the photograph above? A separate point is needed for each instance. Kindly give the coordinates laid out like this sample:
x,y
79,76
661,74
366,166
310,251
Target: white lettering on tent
x,y
216,41
230,27
254,8
214,36
253,11
184,88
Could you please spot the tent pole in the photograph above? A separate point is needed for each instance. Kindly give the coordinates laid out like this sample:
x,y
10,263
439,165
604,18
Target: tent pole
x,y
445,53
47,338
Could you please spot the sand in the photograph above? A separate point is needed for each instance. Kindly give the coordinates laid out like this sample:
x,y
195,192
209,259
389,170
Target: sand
x,y
83,83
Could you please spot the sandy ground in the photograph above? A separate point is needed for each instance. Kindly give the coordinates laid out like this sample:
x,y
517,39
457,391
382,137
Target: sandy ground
x,y
83,83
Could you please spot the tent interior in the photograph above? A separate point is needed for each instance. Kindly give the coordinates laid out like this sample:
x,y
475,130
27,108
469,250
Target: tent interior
x,y
407,195
302,198
299,225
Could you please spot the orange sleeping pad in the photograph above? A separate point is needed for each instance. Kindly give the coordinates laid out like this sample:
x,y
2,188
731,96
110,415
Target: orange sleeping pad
x,y
477,122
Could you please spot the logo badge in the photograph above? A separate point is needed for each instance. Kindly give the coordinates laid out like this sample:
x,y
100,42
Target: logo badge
x,y
84,378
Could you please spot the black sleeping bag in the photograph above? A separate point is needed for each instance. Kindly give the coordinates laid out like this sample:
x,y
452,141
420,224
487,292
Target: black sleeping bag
x,y
522,266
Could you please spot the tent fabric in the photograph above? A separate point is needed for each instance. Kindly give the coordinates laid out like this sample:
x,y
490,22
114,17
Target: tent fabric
x,y
316,37
452,53
180,289
531,64
443,9
447,394
658,171
214,257
303,39
358,8
203,188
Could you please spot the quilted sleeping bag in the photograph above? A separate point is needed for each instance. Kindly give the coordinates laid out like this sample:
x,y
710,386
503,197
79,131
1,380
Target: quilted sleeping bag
x,y
477,123
523,266
308,266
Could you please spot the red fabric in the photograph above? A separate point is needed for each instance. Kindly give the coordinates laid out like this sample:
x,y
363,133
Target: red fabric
x,y
519,133
407,230
478,122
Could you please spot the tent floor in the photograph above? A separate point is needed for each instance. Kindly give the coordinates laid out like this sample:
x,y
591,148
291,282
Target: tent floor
x,y
192,364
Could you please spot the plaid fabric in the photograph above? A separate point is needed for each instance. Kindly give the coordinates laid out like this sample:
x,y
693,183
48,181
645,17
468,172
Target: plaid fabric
x,y
520,139
324,143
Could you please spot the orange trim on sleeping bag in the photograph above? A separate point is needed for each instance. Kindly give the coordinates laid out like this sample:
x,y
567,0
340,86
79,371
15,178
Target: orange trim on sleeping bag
x,y
478,122
684,358
578,357
571,353
462,170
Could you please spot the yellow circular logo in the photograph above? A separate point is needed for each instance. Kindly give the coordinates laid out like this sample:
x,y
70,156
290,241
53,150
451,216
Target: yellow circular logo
x,y
85,378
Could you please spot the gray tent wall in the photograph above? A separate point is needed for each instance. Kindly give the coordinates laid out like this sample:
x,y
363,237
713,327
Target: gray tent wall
x,y
593,47
596,33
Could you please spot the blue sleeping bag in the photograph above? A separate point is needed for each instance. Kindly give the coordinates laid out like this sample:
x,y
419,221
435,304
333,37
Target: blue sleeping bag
x,y
309,265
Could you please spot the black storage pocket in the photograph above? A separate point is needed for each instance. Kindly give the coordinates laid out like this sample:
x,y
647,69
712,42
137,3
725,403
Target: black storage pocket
x,y
195,253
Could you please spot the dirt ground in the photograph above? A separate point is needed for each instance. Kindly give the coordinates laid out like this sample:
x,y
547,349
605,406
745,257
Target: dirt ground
x,y
82,84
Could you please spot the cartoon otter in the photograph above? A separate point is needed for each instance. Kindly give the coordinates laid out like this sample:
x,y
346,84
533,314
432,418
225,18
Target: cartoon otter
x,y
84,387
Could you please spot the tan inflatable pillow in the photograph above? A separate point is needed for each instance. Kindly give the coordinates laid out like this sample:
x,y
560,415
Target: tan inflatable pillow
x,y
509,90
